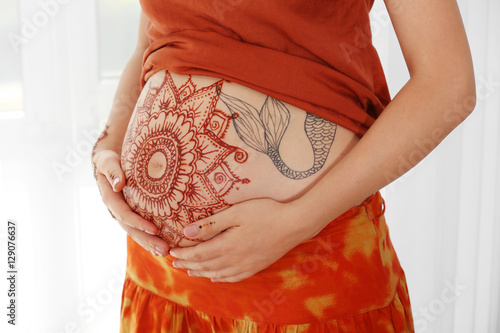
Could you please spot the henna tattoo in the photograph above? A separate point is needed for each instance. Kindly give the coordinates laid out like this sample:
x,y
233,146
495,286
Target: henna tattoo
x,y
263,131
103,135
94,171
96,176
174,157
113,216
206,225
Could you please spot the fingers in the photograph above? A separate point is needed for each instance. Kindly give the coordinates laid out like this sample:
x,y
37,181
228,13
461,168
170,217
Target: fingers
x,y
217,270
153,244
201,252
108,164
221,245
235,278
142,231
207,267
210,226
208,259
121,210
215,275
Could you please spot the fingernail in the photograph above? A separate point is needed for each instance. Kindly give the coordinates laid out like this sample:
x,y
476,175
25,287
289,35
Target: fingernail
x,y
215,280
173,254
174,263
149,232
191,230
116,181
161,251
153,253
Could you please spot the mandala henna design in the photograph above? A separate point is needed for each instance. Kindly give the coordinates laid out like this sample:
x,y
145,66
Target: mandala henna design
x,y
174,158
263,131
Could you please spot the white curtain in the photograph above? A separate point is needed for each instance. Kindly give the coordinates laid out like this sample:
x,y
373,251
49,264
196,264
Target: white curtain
x,y
71,254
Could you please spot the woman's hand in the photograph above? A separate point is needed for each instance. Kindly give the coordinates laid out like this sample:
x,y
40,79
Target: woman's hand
x,y
253,235
111,180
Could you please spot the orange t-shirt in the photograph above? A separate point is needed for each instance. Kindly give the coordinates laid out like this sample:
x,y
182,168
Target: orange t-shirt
x,y
316,55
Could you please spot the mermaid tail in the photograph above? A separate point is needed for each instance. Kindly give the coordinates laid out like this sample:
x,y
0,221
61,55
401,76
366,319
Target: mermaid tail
x,y
263,131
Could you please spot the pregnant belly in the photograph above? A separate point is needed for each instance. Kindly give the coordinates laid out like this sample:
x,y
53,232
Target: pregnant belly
x,y
196,145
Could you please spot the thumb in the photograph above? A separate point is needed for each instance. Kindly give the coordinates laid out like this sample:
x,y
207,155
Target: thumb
x,y
111,168
208,227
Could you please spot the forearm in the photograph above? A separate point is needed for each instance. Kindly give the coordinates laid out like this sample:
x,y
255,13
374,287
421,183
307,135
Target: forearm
x,y
412,125
124,102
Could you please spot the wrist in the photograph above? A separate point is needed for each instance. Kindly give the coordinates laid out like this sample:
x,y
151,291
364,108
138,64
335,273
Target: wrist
x,y
304,219
106,146
313,213
108,143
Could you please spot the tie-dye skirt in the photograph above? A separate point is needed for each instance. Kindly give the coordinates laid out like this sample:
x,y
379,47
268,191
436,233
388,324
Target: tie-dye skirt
x,y
345,279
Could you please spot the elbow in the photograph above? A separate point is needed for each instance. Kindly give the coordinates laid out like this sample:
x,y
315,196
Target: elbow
x,y
463,97
468,93
452,83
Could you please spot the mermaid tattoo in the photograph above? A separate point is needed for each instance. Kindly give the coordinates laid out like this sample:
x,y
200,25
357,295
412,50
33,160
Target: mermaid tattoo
x,y
263,131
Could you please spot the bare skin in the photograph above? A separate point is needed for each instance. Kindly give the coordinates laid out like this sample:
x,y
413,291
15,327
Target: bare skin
x,y
197,145
107,152
439,95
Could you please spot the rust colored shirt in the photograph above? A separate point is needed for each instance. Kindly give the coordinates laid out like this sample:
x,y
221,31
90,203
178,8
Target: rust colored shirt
x,y
316,55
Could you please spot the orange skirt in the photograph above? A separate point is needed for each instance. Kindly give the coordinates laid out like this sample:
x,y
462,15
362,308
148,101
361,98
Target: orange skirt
x,y
345,279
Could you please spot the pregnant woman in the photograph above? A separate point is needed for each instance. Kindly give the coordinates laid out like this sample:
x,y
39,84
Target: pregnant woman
x,y
244,153
196,145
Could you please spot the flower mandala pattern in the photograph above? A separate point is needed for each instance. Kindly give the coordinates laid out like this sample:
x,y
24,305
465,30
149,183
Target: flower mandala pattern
x,y
174,158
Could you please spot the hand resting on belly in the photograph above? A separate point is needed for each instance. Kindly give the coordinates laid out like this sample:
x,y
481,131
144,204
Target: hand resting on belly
x,y
195,145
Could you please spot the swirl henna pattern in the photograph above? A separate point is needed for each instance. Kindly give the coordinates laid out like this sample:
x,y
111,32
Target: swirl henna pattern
x,y
174,157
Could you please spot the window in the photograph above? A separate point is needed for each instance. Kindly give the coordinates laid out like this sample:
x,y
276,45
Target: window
x,y
118,24
11,86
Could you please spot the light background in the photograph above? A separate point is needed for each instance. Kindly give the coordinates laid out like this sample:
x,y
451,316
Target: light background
x,y
55,92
